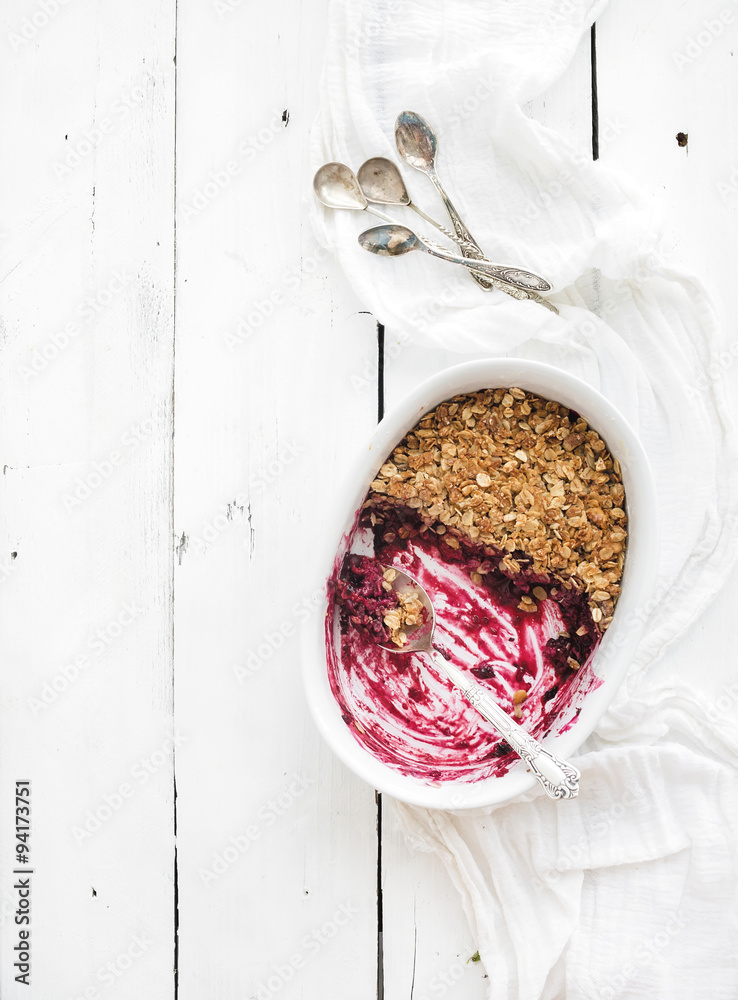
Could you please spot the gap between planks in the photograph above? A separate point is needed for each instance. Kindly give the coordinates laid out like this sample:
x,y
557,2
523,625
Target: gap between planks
x,y
380,415
176,554
380,905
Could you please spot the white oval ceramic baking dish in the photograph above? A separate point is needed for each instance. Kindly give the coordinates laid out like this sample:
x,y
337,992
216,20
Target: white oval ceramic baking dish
x,y
613,656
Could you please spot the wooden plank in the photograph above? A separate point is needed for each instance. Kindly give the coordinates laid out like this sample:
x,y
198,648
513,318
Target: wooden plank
x,y
87,261
428,943
682,80
276,369
566,106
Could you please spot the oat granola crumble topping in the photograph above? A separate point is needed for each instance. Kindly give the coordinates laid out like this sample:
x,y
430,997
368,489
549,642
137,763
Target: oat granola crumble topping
x,y
408,613
524,477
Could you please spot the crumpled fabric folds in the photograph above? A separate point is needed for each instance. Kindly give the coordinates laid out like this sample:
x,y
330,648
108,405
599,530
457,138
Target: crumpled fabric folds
x,y
628,890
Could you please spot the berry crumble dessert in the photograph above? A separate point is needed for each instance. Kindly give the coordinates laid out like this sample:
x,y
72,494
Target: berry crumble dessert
x,y
509,510
372,606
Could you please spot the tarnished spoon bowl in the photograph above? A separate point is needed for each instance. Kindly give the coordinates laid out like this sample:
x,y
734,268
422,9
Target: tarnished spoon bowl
x,y
382,182
390,241
416,141
336,186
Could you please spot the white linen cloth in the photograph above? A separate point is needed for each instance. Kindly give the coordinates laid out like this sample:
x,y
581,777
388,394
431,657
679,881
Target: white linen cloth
x,y
630,890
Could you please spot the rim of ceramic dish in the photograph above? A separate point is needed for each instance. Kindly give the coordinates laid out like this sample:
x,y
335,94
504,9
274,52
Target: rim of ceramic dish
x,y
613,656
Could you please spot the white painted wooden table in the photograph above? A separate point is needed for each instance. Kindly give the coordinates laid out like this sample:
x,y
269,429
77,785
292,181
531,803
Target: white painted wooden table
x,y
182,371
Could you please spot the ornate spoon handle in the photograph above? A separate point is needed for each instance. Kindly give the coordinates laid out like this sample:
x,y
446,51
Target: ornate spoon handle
x,y
559,778
524,280
464,244
516,282
513,280
469,247
458,240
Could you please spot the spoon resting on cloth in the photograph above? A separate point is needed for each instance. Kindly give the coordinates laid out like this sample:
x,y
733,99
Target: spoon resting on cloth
x,y
335,186
559,778
417,144
395,240
382,183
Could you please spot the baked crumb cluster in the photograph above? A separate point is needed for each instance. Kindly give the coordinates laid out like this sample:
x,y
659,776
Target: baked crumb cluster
x,y
408,613
526,478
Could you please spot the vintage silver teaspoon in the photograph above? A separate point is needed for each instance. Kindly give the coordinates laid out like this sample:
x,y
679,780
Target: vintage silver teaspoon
x,y
395,240
382,183
336,186
417,144
559,778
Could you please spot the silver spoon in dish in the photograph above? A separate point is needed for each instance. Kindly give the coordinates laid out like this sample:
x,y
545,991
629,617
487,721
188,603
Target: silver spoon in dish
x,y
395,240
559,778
417,144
